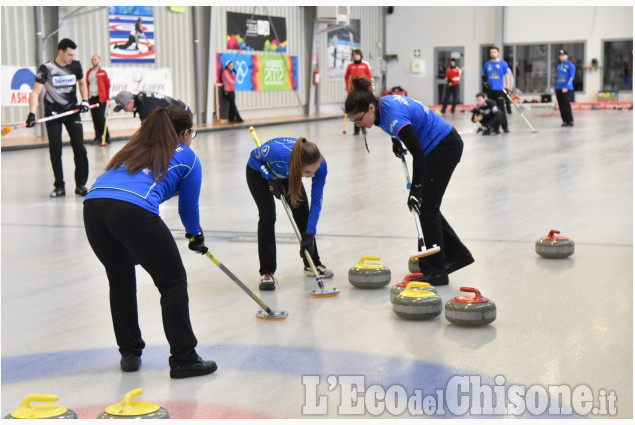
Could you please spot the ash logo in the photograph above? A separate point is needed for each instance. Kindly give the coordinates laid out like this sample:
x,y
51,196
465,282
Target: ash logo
x,y
392,125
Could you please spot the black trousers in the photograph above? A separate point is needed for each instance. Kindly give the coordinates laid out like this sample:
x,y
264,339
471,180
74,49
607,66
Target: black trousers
x,y
494,121
131,40
75,129
265,201
499,97
122,235
99,118
233,111
450,91
440,165
564,103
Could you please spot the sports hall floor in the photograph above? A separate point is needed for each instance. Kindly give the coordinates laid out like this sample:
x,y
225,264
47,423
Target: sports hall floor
x,y
563,322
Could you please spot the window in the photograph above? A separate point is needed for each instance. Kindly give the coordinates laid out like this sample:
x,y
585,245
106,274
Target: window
x,y
532,68
617,71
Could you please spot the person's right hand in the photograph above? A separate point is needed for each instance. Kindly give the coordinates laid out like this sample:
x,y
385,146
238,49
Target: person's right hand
x,y
414,198
30,120
197,243
398,149
276,187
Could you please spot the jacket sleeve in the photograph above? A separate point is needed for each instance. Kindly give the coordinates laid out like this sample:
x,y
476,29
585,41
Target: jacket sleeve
x,y
409,137
347,77
189,192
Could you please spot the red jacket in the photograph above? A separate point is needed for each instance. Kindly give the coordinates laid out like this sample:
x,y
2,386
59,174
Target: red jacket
x,y
453,75
229,79
354,70
103,83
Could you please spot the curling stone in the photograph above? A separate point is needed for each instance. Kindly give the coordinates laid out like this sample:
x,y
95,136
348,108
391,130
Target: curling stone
x,y
417,302
133,409
552,246
413,265
398,288
369,276
470,311
41,411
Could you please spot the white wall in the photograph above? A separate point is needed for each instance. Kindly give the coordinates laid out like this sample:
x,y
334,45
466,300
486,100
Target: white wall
x,y
424,27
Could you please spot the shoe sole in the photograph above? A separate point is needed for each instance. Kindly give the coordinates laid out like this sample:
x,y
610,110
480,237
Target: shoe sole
x,y
267,286
193,373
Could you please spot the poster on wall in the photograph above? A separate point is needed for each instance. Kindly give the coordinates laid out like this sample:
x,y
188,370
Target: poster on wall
x,y
261,72
131,34
341,42
17,84
256,32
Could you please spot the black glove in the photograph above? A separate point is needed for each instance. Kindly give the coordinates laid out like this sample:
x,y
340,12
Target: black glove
x,y
84,106
449,81
30,120
197,243
414,198
234,71
397,148
276,187
308,243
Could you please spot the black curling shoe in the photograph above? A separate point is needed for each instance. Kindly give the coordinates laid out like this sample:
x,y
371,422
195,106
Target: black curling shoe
x,y
198,368
81,190
130,363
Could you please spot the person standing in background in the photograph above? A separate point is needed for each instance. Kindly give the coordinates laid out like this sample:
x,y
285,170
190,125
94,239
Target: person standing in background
x,y
453,77
228,77
565,73
355,68
496,78
98,84
60,77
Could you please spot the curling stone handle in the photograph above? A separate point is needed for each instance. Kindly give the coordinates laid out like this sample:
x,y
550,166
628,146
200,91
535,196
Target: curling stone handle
x,y
412,285
367,257
553,232
477,294
411,276
26,403
131,394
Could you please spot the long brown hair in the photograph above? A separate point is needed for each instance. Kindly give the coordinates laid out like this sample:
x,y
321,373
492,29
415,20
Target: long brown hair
x,y
303,153
153,145
360,96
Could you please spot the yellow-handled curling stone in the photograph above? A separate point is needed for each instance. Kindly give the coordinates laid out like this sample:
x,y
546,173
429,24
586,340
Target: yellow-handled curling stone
x,y
417,302
41,411
134,409
552,246
369,275
398,288
470,311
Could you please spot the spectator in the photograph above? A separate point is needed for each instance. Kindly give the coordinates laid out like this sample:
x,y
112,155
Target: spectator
x,y
98,83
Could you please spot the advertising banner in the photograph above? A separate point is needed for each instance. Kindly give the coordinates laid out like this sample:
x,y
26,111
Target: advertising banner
x,y
261,72
256,32
131,34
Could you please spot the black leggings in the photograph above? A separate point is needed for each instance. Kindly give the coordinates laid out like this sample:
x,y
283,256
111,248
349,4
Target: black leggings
x,y
440,165
75,129
122,235
259,188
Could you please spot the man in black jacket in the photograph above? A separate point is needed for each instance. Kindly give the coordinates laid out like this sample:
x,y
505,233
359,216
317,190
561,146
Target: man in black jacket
x,y
144,103
487,114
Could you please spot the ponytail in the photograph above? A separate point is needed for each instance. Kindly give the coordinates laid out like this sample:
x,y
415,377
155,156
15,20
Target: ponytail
x,y
360,96
303,153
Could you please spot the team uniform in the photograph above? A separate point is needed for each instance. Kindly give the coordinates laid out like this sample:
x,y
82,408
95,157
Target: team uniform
x,y
60,83
146,102
495,72
98,92
491,116
436,149
453,77
123,226
565,73
277,152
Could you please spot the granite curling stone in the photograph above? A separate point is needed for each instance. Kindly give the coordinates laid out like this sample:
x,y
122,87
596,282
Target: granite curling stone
x,y
133,409
470,311
552,246
413,265
417,302
398,288
369,276
41,411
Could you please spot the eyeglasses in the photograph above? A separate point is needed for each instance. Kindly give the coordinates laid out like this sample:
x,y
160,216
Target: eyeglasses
x,y
359,121
193,133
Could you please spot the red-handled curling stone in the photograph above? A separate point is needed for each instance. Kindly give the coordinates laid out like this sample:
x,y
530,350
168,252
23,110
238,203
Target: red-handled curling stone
x,y
470,311
398,288
552,246
417,302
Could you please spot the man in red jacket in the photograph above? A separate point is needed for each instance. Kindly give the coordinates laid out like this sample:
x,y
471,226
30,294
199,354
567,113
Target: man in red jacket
x,y
453,76
98,83
357,67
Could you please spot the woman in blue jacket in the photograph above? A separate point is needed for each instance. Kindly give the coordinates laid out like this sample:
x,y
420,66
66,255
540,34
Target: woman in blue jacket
x,y
123,226
276,169
436,149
